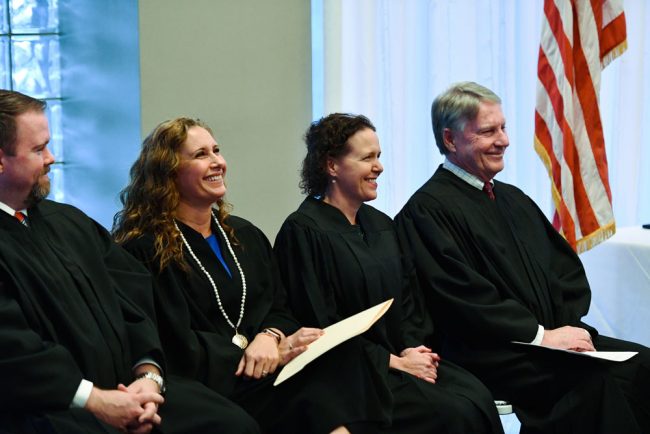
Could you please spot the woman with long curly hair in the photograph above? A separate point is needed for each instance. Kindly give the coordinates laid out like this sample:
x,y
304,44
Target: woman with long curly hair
x,y
151,199
220,304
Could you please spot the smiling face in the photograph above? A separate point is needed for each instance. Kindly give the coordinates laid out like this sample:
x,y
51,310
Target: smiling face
x,y
480,147
24,172
201,173
356,171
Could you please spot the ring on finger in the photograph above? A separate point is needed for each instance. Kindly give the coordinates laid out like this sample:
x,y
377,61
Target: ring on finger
x,y
265,373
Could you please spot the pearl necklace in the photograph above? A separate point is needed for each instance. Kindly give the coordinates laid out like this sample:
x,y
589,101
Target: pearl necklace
x,y
238,339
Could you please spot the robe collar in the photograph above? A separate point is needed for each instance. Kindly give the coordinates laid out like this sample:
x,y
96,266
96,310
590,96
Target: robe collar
x,y
335,220
331,219
463,174
9,210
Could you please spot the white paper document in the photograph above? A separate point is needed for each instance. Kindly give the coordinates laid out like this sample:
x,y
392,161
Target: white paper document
x,y
612,356
334,335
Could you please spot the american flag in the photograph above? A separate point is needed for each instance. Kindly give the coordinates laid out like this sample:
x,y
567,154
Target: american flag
x,y
579,38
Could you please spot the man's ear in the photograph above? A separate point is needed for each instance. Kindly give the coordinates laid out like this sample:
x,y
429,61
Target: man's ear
x,y
448,140
2,161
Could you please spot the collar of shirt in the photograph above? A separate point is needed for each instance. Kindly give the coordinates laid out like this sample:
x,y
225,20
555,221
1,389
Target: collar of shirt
x,y
472,180
9,210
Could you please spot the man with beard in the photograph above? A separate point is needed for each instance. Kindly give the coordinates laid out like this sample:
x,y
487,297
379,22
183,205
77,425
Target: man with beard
x,y
70,339
494,271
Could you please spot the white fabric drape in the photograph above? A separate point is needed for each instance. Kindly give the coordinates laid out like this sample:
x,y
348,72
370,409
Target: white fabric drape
x,y
388,59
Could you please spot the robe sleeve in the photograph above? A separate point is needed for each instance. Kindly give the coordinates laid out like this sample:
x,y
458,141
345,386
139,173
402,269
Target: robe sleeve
x,y
300,262
279,315
133,285
125,276
567,275
35,374
305,268
457,295
417,327
141,329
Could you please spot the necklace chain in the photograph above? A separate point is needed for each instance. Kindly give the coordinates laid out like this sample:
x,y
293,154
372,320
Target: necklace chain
x,y
214,285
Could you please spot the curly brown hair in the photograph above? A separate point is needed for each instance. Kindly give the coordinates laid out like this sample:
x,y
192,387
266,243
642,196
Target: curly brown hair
x,y
327,138
151,198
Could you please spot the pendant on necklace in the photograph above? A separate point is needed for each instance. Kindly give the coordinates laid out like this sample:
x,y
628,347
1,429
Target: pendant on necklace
x,y
240,341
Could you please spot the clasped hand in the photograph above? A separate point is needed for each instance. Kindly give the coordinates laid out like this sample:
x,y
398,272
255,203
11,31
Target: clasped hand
x,y
263,356
132,409
419,361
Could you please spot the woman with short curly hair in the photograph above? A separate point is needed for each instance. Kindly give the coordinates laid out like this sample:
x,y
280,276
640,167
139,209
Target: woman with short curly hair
x,y
338,255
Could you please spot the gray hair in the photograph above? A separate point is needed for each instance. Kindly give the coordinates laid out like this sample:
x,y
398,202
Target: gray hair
x,y
457,105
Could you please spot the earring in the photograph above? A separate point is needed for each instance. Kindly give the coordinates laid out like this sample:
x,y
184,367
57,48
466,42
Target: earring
x,y
333,181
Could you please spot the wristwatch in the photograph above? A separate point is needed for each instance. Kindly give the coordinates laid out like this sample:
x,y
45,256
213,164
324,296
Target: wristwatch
x,y
273,333
154,377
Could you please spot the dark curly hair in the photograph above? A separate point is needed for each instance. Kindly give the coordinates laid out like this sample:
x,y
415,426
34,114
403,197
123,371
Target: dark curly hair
x,y
151,198
327,138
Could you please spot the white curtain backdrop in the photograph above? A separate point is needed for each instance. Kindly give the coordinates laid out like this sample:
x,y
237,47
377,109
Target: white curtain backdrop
x,y
388,59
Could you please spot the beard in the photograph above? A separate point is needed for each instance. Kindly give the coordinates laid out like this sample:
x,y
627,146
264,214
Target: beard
x,y
39,191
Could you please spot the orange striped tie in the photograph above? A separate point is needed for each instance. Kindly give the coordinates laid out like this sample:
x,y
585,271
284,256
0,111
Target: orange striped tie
x,y
22,218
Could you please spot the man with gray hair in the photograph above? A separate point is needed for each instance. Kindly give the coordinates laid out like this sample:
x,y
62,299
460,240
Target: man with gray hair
x,y
494,272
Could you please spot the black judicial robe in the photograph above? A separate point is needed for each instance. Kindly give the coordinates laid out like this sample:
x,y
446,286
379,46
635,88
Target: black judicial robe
x,y
197,340
332,269
491,271
65,315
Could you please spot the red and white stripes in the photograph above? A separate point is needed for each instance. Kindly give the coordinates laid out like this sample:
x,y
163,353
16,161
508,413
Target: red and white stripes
x,y
579,38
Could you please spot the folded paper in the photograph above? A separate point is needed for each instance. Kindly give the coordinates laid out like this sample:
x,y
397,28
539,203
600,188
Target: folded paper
x,y
333,336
